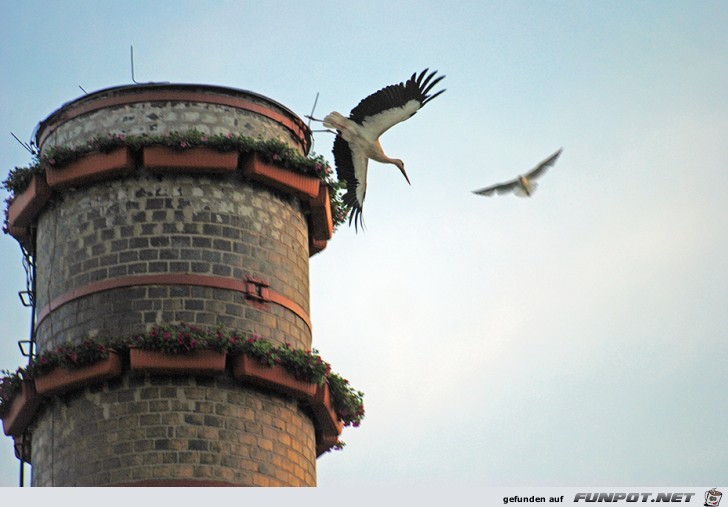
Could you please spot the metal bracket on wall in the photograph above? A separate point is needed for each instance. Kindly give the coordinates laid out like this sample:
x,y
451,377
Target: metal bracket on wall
x,y
27,298
29,352
257,290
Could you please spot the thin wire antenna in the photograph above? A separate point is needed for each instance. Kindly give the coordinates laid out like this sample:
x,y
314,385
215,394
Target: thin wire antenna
x,y
310,117
84,91
313,140
132,65
23,144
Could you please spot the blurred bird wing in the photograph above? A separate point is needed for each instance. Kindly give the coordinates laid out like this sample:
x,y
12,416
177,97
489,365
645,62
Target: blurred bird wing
x,y
501,188
543,166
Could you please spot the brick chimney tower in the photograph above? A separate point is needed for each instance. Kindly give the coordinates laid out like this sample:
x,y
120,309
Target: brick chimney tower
x,y
138,237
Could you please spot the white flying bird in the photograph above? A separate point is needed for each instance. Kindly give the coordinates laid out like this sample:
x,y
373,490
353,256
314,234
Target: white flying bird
x,y
523,186
357,137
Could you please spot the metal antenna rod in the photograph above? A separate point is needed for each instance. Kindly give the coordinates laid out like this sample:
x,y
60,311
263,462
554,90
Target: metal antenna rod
x,y
132,65
23,144
313,109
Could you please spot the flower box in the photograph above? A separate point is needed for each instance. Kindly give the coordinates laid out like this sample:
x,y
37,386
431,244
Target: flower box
x,y
26,206
91,167
276,377
322,223
22,235
315,246
199,362
22,410
324,443
277,177
323,412
60,380
161,159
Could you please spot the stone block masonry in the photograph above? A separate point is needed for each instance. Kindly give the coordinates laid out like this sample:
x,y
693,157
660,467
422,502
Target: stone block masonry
x,y
118,255
221,227
155,429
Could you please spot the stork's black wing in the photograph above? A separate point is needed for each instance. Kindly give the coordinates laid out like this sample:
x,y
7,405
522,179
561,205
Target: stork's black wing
x,y
351,167
395,103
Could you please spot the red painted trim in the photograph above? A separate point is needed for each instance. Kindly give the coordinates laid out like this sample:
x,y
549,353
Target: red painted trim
x,y
174,95
258,169
199,362
61,379
91,167
216,282
22,409
26,206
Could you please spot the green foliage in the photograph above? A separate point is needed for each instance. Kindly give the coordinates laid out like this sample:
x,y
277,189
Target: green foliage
x,y
272,150
173,339
10,385
69,355
20,177
348,401
183,338
306,365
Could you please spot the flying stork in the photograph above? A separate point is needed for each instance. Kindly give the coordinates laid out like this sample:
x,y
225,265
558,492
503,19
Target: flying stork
x,y
523,186
357,138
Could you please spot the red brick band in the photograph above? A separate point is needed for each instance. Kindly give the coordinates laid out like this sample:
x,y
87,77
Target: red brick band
x,y
216,282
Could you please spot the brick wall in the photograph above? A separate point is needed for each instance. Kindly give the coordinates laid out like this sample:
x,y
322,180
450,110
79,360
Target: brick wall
x,y
138,429
218,226
160,428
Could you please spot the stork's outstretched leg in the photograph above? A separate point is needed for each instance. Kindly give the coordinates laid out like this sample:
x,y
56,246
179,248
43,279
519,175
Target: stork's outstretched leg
x,y
320,121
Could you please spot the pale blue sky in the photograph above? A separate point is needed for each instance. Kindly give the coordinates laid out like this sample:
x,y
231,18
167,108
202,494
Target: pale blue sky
x,y
575,338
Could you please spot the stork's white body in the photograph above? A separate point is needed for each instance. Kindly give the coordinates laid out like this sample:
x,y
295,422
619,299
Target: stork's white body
x,y
358,135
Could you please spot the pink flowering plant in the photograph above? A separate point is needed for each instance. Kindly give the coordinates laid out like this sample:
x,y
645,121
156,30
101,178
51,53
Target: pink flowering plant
x,y
183,338
305,365
348,401
69,355
271,150
175,339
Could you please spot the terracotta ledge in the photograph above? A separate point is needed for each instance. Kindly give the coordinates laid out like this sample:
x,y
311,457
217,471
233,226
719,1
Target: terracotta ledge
x,y
258,169
276,377
22,410
203,362
90,168
200,362
26,206
322,223
324,412
315,246
60,380
95,166
200,159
